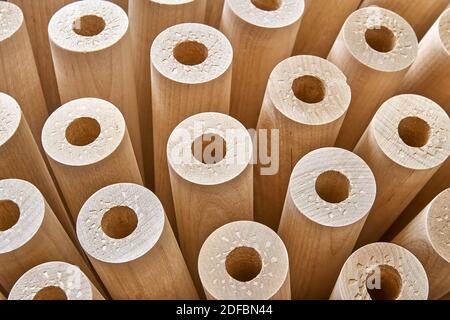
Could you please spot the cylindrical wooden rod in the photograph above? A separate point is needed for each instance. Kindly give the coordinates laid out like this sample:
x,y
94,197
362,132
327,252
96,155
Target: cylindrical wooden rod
x,y
305,103
211,175
88,147
54,281
244,260
30,233
91,46
213,15
191,73
428,238
374,49
419,13
405,144
147,20
321,24
262,34
131,245
326,206
20,78
381,271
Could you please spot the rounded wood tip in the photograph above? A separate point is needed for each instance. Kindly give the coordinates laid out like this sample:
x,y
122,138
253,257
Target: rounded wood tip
x,y
83,132
120,223
10,116
52,281
209,148
335,193
22,209
11,19
382,271
268,14
243,260
88,26
444,29
438,224
413,131
191,53
380,39
309,90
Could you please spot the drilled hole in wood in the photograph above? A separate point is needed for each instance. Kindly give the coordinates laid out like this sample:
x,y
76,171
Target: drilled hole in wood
x,y
243,264
83,131
384,283
190,53
89,25
309,89
9,214
119,222
209,148
50,293
333,186
414,131
267,5
381,39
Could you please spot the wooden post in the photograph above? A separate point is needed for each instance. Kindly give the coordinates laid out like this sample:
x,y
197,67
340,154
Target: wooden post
x,y
213,15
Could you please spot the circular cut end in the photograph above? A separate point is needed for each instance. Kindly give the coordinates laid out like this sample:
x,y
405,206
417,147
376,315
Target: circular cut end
x,y
10,116
309,90
11,19
444,29
83,132
53,281
243,260
380,39
191,53
22,209
120,223
88,26
209,148
412,131
438,224
382,271
336,192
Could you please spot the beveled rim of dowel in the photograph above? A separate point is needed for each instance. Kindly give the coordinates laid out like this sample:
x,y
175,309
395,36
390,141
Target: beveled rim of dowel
x,y
218,61
444,29
67,277
61,31
438,224
11,19
337,92
10,117
353,276
150,223
112,132
237,140
385,128
30,204
289,12
406,45
361,187
213,255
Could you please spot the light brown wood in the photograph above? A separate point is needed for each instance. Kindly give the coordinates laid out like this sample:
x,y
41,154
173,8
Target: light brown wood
x,y
30,233
211,175
20,78
131,245
262,34
421,14
428,238
213,15
374,49
147,20
321,24
381,271
244,260
306,100
446,297
191,73
2,297
122,3
54,281
405,144
88,147
91,45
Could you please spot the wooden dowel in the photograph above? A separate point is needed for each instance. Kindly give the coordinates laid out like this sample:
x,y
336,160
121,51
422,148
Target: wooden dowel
x,y
420,14
381,271
428,238
211,175
326,206
191,73
88,147
244,260
122,3
20,78
30,233
213,15
306,100
374,49
405,144
131,245
91,46
147,20
262,34
321,24
54,281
